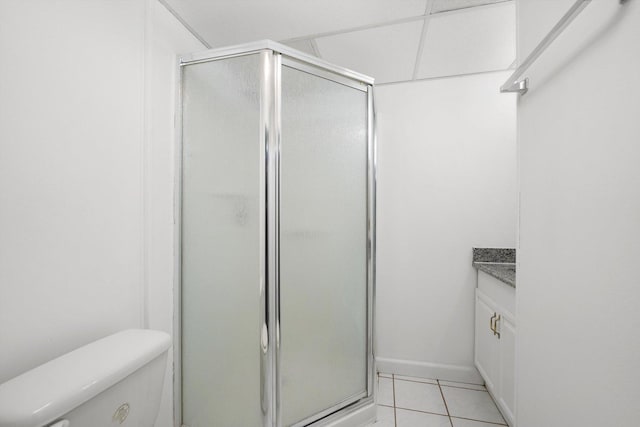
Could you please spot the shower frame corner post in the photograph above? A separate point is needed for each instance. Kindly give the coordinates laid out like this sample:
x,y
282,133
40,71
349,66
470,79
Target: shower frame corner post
x,y
273,57
177,254
371,237
270,251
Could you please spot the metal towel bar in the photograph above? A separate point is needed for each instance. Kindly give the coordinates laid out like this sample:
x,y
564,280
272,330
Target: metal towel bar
x,y
521,86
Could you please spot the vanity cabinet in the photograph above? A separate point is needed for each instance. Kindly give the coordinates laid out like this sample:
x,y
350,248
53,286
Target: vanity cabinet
x,y
486,357
495,333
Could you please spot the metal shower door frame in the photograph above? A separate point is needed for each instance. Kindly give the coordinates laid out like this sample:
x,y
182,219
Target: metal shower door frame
x,y
274,56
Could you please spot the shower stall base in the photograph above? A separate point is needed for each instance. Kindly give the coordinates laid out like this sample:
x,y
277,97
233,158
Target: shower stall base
x,y
275,202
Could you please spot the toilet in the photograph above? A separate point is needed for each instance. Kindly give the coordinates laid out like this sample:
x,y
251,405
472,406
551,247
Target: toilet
x,y
115,381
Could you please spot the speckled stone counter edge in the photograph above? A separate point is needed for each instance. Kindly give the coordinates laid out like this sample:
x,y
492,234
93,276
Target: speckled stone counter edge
x,y
497,262
494,255
505,272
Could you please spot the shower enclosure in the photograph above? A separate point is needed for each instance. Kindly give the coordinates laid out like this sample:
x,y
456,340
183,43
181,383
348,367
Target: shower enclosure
x,y
276,226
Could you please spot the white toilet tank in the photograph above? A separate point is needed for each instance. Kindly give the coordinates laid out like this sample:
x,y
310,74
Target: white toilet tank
x,y
112,382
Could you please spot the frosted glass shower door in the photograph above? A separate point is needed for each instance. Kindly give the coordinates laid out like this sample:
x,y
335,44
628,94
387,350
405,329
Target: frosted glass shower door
x,y
323,246
221,222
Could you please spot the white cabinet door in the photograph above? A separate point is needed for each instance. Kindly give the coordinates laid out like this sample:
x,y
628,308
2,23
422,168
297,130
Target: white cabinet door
x,y
495,353
487,358
507,344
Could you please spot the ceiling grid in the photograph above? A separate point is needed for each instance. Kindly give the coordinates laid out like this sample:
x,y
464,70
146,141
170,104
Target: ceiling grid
x,y
392,41
427,12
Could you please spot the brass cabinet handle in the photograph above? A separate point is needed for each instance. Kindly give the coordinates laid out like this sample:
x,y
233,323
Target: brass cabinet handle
x,y
495,328
491,323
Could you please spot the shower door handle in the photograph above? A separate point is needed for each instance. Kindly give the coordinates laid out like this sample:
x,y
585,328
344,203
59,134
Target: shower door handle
x,y
264,338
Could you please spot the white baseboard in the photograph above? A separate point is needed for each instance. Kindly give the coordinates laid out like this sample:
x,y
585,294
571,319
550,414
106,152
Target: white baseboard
x,y
364,415
461,373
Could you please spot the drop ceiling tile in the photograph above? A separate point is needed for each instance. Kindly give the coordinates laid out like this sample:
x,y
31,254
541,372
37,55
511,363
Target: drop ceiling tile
x,y
469,41
446,5
386,53
228,22
303,46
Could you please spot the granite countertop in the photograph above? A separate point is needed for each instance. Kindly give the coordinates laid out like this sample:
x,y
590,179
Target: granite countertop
x,y
497,262
503,271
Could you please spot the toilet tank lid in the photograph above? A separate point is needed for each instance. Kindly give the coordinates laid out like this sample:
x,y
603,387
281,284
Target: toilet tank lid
x,y
49,391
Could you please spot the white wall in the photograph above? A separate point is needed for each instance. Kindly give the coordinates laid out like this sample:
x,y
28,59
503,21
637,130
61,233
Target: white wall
x,y
166,38
578,297
86,184
70,175
446,183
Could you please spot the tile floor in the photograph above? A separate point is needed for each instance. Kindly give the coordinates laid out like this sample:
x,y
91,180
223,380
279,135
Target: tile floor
x,y
420,402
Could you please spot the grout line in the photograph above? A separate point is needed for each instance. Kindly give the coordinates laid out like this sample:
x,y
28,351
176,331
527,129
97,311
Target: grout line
x,y
464,388
445,403
423,412
415,381
393,386
448,414
480,421
435,382
462,382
